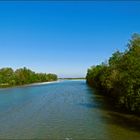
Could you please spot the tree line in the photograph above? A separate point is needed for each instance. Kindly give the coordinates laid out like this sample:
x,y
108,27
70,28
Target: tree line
x,y
119,78
21,76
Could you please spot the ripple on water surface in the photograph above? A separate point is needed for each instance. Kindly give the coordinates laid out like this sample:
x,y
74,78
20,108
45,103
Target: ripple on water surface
x,y
64,110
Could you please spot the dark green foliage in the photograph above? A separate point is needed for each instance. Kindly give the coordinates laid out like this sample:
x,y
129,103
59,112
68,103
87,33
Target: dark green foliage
x,y
6,76
120,78
9,77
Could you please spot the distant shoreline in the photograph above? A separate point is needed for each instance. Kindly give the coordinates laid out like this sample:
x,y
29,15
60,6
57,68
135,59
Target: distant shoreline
x,y
72,78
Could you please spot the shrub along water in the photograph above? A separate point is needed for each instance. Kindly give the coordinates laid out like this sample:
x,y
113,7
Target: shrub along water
x,y
9,77
119,78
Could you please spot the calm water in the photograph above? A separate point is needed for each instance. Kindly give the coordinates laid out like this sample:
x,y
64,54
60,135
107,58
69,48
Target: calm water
x,y
64,110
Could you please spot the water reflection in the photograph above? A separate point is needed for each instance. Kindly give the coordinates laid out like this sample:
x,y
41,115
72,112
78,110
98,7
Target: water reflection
x,y
113,116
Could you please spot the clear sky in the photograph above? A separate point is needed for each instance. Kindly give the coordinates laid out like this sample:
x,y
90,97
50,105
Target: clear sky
x,y
64,37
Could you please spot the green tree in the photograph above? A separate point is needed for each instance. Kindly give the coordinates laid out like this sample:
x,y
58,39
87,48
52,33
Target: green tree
x,y
120,79
6,76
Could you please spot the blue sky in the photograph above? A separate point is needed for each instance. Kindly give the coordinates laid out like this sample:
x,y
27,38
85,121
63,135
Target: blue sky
x,y
64,37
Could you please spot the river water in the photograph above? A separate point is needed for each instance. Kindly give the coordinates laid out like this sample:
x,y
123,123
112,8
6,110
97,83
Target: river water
x,y
66,110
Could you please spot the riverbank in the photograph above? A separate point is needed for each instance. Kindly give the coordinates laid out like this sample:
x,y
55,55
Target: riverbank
x,y
23,76
119,78
28,85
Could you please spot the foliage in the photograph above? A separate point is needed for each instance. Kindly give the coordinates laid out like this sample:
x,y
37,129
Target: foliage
x,y
9,77
120,78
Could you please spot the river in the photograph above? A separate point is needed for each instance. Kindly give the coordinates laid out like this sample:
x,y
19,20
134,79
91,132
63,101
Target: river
x,y
66,110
